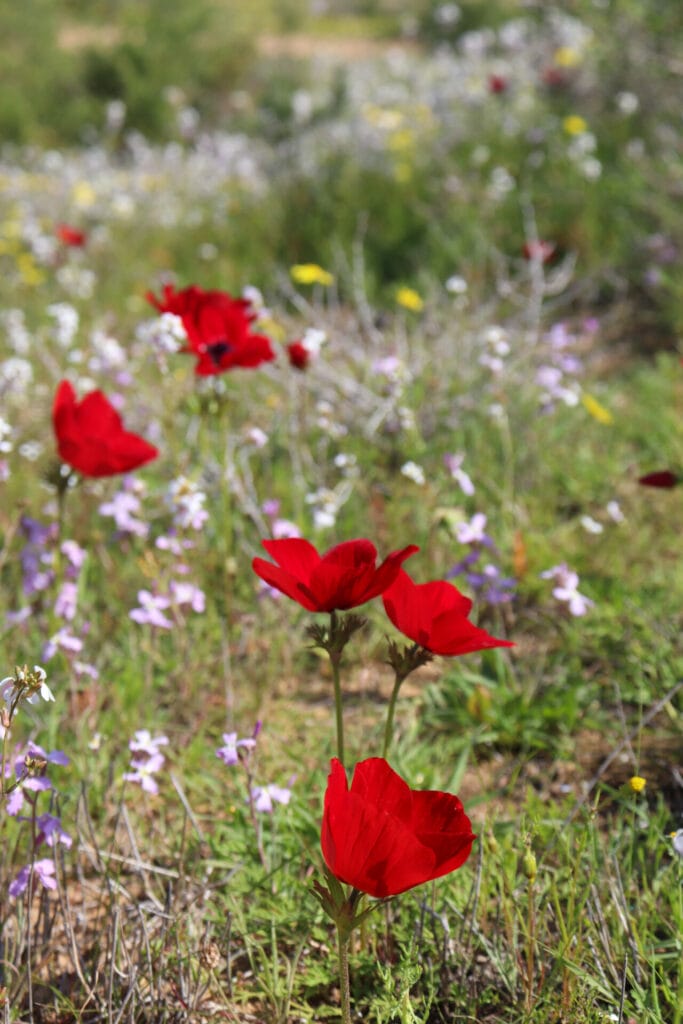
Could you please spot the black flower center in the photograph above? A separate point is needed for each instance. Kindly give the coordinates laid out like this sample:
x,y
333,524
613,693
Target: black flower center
x,y
217,350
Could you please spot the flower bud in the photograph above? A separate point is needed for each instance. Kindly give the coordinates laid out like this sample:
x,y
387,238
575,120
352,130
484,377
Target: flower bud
x,y
529,865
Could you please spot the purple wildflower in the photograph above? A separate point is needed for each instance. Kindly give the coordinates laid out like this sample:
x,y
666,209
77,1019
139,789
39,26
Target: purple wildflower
x,y
473,532
453,464
187,593
566,589
123,508
65,602
44,871
75,556
151,610
63,640
144,744
51,831
146,760
263,797
229,753
144,771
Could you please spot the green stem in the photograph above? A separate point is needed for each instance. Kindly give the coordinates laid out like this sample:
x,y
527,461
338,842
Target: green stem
x,y
389,727
344,987
530,952
335,658
61,505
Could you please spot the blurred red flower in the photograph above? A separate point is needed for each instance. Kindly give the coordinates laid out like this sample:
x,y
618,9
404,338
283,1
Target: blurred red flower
x,y
70,236
299,355
434,615
382,837
497,84
218,328
91,437
344,577
554,78
660,478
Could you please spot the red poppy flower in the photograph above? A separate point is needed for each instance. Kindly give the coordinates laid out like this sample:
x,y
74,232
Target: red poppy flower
x,y
497,84
661,478
218,328
299,355
434,615
554,78
382,837
70,236
91,437
344,577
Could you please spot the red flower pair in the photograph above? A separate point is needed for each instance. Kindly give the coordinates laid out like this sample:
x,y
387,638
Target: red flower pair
x,y
91,437
382,838
433,615
218,329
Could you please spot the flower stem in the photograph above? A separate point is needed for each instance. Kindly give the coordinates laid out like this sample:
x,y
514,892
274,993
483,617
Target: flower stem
x,y
335,658
389,727
344,988
531,948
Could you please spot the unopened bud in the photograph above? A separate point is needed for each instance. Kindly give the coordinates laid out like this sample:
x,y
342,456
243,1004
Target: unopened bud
x,y
492,843
529,865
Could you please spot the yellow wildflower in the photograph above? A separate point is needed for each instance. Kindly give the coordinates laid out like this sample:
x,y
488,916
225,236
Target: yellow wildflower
x,y
596,409
83,195
31,275
401,140
310,273
382,118
566,57
409,299
574,124
11,229
637,783
272,328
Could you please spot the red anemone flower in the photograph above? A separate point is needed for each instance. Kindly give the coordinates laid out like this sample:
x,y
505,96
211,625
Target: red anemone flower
x,y
70,236
660,478
91,437
344,577
382,837
434,615
218,329
497,84
299,355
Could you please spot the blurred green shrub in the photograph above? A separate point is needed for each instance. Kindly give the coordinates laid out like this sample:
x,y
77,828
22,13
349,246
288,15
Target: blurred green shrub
x,y
55,82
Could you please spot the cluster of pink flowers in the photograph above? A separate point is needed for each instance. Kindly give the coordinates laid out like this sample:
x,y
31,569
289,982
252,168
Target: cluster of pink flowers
x,y
146,760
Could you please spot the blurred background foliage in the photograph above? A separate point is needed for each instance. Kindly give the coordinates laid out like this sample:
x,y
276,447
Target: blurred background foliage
x,y
427,210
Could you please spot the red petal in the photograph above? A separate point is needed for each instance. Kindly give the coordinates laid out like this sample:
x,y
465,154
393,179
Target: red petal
x,y
285,583
661,478
451,635
293,554
369,843
366,847
389,570
376,781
